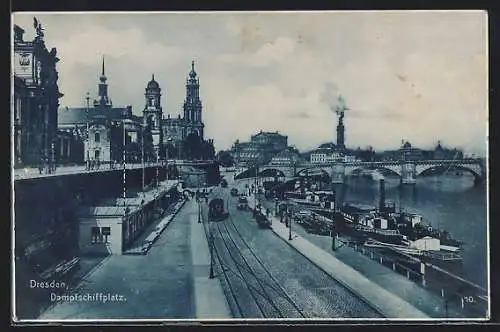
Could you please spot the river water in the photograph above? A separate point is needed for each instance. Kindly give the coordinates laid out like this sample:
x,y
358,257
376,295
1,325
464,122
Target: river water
x,y
448,202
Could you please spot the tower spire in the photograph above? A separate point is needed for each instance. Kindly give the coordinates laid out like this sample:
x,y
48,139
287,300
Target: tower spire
x,y
103,75
103,89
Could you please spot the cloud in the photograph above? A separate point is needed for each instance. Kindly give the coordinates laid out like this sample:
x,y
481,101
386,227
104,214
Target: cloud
x,y
127,47
330,95
300,115
420,76
268,54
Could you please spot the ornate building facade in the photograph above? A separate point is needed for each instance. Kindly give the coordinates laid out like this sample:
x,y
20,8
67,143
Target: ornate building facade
x,y
261,148
105,129
35,100
102,128
177,129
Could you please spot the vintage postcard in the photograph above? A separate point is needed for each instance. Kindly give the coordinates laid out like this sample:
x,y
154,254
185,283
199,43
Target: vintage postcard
x,y
172,166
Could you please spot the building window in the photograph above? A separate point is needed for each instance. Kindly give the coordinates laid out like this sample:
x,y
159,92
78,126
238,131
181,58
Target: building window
x,y
97,137
96,154
100,234
96,234
105,231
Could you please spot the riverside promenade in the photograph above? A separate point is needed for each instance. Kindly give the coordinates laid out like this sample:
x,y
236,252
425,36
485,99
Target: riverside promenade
x,y
387,303
169,282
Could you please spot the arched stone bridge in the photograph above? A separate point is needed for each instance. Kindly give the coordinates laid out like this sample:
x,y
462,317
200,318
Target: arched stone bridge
x,y
408,171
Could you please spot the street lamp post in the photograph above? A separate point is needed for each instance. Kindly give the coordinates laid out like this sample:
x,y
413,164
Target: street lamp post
x,y
199,209
289,225
53,156
276,207
124,165
169,140
257,192
157,171
211,248
87,98
142,158
285,215
332,230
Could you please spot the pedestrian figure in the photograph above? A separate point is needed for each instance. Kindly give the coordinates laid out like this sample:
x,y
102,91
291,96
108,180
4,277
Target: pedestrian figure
x,y
40,166
46,165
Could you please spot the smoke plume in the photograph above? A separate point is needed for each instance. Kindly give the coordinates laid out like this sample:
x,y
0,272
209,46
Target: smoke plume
x,y
330,96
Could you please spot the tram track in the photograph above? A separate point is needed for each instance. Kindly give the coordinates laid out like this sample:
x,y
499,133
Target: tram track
x,y
250,285
288,305
301,295
262,303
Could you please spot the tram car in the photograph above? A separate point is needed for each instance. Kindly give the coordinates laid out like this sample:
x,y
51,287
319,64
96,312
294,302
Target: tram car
x,y
216,210
262,220
242,203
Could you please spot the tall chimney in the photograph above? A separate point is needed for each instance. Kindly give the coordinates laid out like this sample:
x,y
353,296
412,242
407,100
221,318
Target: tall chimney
x,y
381,203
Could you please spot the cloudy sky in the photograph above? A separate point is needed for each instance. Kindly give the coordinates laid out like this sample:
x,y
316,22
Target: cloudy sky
x,y
421,76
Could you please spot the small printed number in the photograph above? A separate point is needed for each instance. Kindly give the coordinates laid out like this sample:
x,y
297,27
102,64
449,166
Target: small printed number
x,y
468,299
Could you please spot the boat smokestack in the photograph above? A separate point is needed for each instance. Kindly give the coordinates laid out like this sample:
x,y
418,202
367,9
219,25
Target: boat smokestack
x,y
381,203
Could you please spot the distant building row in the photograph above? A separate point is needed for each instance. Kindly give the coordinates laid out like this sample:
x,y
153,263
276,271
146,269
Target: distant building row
x,y
272,148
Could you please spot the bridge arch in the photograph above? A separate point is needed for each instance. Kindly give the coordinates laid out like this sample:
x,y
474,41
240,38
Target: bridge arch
x,y
396,170
266,172
311,171
271,172
474,170
247,173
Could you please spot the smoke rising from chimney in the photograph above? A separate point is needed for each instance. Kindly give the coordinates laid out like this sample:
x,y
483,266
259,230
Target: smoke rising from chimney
x,y
330,96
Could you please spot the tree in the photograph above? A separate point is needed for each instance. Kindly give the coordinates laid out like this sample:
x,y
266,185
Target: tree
x,y
171,151
225,159
193,146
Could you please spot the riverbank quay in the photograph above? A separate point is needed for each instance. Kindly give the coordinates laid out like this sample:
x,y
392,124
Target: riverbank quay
x,y
390,305
430,288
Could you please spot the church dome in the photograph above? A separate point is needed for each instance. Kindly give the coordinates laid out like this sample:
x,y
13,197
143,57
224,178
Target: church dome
x,y
153,85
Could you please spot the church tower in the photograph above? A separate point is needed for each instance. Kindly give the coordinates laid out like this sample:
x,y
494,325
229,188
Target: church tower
x,y
192,104
152,114
103,100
